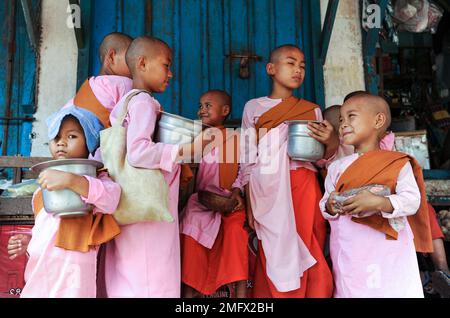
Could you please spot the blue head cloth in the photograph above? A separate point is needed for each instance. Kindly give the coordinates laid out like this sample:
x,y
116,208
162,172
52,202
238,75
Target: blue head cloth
x,y
89,122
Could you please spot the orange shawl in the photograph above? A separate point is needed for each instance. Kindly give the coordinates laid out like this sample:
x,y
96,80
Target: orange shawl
x,y
86,99
81,233
291,108
384,169
228,171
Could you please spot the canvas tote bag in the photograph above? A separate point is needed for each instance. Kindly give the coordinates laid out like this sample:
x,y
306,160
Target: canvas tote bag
x,y
145,194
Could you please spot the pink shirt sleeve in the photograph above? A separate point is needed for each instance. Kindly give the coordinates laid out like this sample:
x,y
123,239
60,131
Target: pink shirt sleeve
x,y
142,151
406,200
104,193
330,186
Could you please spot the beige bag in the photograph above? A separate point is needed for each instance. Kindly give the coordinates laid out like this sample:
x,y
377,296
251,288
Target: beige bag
x,y
145,194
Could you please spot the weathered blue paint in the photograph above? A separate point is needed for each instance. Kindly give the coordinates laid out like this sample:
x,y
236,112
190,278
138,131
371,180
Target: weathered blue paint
x,y
20,84
328,28
202,33
370,39
23,79
84,53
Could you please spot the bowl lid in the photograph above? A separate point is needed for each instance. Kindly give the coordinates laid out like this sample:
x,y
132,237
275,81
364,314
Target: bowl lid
x,y
60,162
291,122
195,122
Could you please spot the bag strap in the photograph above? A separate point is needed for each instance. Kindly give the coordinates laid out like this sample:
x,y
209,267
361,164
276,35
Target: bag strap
x,y
124,112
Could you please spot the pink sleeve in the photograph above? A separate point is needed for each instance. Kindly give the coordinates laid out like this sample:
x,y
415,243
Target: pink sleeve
x,y
330,186
104,193
142,151
406,200
388,142
248,148
238,183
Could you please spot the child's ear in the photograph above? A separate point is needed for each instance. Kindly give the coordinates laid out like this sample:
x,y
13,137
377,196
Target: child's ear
x,y
109,58
141,63
225,110
270,69
380,120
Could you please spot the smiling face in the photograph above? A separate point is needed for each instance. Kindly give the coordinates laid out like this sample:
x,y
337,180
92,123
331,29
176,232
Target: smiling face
x,y
213,109
354,124
362,123
287,68
70,141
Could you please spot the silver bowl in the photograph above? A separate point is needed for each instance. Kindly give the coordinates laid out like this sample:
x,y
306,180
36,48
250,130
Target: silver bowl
x,y
301,146
174,129
66,203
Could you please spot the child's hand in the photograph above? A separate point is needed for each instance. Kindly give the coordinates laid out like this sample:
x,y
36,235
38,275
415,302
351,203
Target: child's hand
x,y
325,133
236,194
55,180
17,245
366,201
331,204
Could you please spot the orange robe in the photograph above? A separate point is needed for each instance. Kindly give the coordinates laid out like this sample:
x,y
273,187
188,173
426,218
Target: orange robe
x,y
207,269
311,226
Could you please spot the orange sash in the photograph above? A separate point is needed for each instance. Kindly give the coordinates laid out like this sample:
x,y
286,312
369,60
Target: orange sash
x,y
291,108
81,233
384,169
85,98
228,171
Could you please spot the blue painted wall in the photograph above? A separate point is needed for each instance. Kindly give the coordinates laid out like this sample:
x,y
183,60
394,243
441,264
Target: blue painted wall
x,y
201,34
23,78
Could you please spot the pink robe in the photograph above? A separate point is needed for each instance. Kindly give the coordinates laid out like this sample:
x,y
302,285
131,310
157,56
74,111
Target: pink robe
x,y
253,109
198,222
108,89
144,260
55,272
286,258
365,263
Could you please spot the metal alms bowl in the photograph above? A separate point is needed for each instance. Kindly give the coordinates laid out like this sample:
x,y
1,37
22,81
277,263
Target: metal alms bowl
x,y
66,203
301,146
174,129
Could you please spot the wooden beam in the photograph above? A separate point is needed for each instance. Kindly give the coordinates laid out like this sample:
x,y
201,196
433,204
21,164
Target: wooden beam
x,y
370,40
78,31
327,29
21,162
317,67
83,70
15,206
370,37
26,8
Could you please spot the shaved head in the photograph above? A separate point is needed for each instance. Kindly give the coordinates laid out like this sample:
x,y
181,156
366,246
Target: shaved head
x,y
147,46
117,41
375,104
355,93
221,96
331,114
278,51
